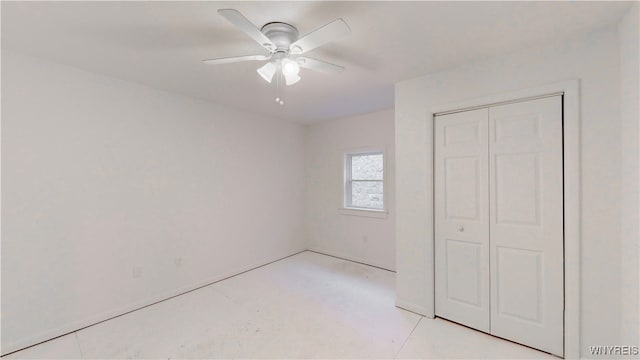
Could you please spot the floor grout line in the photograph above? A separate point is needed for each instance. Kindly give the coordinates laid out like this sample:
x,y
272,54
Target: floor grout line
x,y
78,343
395,356
353,261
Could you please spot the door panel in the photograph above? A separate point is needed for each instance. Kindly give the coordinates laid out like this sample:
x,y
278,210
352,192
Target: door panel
x,y
516,266
526,223
463,269
517,179
461,188
462,218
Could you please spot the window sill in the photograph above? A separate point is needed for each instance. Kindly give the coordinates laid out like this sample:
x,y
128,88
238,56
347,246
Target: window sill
x,y
380,214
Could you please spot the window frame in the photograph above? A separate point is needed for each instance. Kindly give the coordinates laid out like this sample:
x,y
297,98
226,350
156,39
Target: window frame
x,y
347,208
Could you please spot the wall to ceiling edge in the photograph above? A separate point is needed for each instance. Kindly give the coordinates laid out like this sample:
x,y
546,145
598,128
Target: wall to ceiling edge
x,y
117,195
593,59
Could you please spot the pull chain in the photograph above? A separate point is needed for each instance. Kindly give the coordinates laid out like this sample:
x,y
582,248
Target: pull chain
x,y
279,86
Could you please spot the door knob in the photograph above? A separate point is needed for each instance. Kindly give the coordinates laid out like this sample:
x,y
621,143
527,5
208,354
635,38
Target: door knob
x,y
460,228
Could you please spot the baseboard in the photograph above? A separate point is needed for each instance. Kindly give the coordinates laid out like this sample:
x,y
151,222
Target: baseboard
x,y
351,258
108,315
420,310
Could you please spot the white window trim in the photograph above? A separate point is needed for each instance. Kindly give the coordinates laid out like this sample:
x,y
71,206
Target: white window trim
x,y
346,190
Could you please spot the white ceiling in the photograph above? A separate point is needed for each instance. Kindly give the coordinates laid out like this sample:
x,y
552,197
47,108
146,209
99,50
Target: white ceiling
x,y
161,44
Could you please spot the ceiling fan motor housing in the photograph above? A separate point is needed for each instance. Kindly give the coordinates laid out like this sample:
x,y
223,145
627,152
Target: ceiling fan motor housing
x,y
282,35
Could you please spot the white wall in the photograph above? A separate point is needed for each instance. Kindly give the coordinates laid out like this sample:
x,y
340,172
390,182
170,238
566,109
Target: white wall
x,y
594,59
101,176
630,232
364,239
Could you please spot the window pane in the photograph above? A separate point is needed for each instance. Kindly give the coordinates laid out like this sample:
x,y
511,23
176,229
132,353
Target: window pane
x,y
367,194
366,167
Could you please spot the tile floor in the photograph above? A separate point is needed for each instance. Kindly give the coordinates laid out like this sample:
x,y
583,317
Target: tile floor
x,y
305,306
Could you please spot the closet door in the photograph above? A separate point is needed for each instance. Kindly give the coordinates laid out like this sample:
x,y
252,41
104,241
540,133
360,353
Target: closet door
x,y
526,202
462,218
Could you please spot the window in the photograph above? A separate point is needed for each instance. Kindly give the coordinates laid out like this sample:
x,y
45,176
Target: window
x,y
364,181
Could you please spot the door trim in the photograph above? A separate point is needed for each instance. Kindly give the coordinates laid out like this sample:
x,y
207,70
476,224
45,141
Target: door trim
x,y
560,93
571,192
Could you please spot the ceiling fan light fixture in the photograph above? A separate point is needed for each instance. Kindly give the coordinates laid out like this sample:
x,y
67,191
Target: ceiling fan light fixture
x,y
267,71
282,40
290,67
291,79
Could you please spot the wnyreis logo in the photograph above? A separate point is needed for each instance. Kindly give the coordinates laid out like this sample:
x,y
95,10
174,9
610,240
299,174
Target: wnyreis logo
x,y
618,350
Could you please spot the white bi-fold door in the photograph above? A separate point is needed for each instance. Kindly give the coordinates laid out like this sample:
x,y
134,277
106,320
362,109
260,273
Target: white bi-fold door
x,y
499,221
462,218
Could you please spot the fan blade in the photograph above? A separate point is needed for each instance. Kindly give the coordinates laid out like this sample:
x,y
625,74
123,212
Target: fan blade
x,y
291,79
332,31
236,59
318,65
237,19
267,71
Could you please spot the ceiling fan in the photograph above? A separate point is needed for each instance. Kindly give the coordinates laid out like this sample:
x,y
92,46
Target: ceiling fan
x,y
284,46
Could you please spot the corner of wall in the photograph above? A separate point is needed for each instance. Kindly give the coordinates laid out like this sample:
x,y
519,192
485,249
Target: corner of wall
x,y
628,32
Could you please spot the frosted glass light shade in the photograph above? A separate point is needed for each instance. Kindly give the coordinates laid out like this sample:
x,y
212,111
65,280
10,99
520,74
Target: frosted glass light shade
x,y
290,67
291,79
267,71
